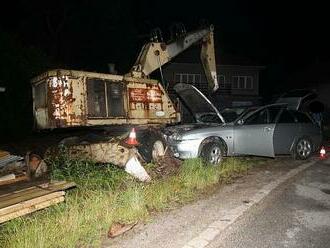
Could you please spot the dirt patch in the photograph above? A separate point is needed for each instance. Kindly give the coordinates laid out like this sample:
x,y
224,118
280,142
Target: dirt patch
x,y
165,167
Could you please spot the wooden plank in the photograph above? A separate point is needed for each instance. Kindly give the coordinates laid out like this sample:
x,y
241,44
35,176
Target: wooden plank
x,y
14,194
63,185
24,188
17,192
31,209
7,177
33,186
33,193
50,187
29,203
10,188
3,153
18,179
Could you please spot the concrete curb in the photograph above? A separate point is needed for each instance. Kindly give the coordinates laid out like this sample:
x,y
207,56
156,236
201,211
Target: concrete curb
x,y
215,228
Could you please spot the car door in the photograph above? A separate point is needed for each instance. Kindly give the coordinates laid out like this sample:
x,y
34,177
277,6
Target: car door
x,y
255,135
286,130
309,129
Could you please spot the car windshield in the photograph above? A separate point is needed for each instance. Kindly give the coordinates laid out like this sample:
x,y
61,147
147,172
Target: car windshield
x,y
233,114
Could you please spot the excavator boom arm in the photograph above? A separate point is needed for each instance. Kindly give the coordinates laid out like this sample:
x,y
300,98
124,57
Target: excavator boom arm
x,y
153,55
208,61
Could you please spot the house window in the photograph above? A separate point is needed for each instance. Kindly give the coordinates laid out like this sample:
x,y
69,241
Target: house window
x,y
189,78
243,82
221,82
105,98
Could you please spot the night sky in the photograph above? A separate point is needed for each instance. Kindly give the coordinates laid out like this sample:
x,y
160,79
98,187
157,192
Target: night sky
x,y
287,38
89,34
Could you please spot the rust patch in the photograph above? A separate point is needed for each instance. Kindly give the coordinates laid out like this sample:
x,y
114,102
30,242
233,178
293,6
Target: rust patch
x,y
61,102
145,95
137,95
146,99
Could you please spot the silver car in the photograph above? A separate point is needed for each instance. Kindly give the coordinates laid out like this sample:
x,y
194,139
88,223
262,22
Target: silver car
x,y
266,131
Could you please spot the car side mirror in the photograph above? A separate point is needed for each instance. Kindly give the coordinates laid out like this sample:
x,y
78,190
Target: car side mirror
x,y
240,122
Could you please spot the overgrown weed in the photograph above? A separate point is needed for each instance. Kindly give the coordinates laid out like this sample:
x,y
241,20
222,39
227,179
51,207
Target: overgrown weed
x,y
106,194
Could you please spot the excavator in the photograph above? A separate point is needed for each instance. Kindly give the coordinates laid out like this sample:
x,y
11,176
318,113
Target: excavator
x,y
156,54
130,109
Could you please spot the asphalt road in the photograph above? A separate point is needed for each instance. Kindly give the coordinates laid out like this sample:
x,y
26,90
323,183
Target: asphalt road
x,y
296,214
284,204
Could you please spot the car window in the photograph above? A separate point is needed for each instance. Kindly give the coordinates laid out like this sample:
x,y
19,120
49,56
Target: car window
x,y
302,118
229,116
286,117
209,118
309,98
260,117
273,113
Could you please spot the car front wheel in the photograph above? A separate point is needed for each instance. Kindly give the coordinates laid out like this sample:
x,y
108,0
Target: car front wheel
x,y
152,146
212,153
303,149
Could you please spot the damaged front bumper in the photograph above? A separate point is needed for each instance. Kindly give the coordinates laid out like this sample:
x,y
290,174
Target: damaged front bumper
x,y
185,149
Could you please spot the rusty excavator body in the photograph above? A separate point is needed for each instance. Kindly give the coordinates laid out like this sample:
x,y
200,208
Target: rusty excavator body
x,y
124,107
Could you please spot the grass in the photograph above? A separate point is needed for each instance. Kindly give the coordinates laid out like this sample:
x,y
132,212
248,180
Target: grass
x,y
105,195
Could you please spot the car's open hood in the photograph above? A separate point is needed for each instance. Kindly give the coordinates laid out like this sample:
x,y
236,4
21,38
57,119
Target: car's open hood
x,y
196,101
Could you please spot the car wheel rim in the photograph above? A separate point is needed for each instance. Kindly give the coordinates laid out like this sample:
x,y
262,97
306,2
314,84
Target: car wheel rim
x,y
158,150
304,148
215,155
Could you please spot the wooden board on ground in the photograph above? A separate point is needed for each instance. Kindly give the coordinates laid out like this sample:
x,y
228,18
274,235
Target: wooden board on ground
x,y
17,179
31,209
24,200
29,203
9,188
33,192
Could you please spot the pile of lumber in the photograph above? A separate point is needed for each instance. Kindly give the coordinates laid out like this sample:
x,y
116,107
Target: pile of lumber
x,y
26,200
12,168
13,178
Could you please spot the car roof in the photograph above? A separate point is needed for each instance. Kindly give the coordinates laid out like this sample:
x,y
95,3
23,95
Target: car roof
x,y
263,107
298,93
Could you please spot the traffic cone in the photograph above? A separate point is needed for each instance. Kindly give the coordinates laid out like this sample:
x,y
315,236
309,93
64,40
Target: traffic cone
x,y
322,152
132,138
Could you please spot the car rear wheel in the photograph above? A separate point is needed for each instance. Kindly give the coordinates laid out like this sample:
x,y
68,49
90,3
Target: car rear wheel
x,y
212,153
303,149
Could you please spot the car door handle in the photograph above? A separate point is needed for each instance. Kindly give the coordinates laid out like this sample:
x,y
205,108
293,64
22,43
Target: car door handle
x,y
267,129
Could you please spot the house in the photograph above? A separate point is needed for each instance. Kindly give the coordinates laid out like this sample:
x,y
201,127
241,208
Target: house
x,y
238,83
